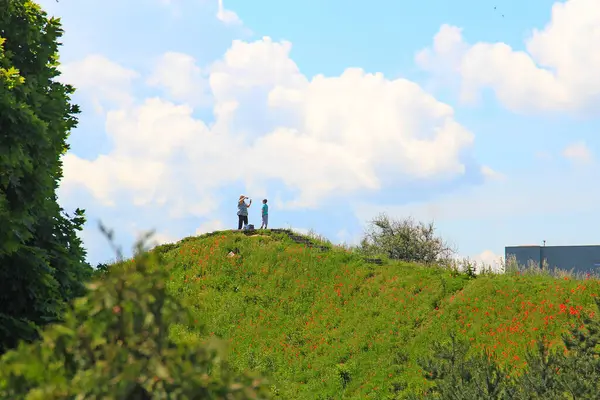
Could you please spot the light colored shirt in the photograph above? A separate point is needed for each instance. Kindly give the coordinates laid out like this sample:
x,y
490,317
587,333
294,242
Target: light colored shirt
x,y
265,209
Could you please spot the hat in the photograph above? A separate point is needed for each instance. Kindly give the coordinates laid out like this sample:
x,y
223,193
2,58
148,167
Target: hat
x,y
242,197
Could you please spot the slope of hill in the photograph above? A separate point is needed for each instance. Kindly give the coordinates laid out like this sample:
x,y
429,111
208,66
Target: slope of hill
x,y
324,324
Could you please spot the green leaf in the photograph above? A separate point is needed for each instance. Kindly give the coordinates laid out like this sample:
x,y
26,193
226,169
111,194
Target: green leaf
x,y
162,372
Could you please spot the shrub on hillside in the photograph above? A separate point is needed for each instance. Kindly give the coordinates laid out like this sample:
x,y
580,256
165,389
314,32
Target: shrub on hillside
x,y
550,374
405,240
115,344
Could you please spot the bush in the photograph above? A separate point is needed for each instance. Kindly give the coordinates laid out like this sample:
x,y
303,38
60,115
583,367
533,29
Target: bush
x,y
115,344
405,240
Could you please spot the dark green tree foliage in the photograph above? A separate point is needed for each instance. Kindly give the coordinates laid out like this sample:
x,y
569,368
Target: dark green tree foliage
x,y
550,374
460,376
42,262
579,372
542,378
115,344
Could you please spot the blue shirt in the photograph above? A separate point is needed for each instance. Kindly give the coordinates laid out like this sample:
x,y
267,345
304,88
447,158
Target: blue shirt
x,y
242,209
265,209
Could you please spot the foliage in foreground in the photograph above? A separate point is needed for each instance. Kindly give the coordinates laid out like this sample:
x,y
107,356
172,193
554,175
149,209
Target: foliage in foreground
x,y
42,261
553,375
115,344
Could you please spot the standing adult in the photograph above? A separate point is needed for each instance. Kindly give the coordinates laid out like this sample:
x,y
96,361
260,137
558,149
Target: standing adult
x,y
243,211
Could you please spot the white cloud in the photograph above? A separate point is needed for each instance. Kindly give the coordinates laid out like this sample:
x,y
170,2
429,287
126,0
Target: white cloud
x,y
578,153
106,82
247,65
330,136
557,73
147,165
227,16
414,133
182,79
445,57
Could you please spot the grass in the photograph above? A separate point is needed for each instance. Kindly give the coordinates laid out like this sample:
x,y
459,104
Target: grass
x,y
327,325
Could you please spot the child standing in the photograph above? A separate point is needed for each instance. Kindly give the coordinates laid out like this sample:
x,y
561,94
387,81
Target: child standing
x,y
265,215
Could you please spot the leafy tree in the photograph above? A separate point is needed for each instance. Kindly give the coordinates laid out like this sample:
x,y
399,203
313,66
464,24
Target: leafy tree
x,y
42,262
405,240
115,344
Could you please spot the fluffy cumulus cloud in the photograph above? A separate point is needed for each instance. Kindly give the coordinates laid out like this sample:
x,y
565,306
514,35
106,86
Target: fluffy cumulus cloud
x,y
321,137
557,72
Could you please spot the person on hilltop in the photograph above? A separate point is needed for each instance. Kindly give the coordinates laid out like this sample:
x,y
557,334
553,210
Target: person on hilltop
x,y
243,211
265,215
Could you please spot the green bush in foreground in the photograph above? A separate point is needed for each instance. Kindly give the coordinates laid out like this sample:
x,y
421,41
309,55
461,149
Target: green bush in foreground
x,y
115,344
550,375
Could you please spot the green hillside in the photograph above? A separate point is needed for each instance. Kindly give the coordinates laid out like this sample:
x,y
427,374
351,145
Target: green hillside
x,y
322,323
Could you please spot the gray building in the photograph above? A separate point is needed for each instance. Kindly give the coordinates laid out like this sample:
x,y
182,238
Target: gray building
x,y
580,259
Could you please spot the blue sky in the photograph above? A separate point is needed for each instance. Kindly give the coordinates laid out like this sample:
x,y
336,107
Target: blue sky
x,y
482,119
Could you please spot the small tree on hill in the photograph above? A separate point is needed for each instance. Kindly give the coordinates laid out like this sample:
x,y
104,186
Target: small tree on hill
x,y
115,344
405,240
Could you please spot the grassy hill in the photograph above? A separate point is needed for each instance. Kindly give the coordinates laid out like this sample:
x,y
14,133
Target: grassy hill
x,y
324,324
